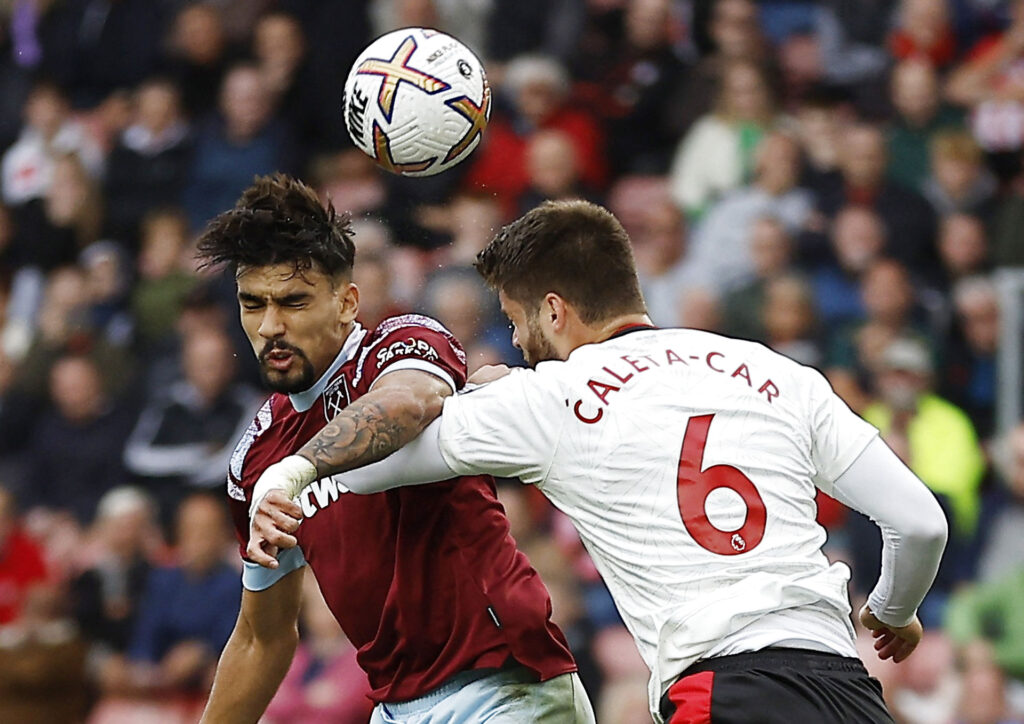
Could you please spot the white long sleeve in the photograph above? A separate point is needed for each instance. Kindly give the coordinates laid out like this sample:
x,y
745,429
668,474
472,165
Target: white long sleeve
x,y
913,528
418,462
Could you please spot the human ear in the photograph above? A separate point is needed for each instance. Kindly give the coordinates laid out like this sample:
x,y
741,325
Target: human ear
x,y
348,303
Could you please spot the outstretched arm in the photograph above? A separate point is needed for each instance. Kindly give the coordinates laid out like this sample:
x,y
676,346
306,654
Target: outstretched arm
x,y
258,654
387,417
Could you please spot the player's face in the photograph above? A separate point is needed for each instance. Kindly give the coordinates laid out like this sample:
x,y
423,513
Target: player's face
x,y
527,334
296,323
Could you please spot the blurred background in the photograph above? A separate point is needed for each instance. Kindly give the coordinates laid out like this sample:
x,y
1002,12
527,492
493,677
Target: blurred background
x,y
841,180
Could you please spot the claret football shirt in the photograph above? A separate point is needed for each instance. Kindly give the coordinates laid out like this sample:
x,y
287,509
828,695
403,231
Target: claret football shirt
x,y
426,582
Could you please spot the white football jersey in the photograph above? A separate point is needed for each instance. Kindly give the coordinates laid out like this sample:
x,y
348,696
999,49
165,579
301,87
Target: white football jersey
x,y
688,462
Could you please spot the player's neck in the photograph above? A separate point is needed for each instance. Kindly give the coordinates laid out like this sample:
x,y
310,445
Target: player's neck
x,y
606,330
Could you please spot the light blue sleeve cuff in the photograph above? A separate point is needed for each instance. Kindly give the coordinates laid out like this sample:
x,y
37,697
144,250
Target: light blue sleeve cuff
x,y
257,578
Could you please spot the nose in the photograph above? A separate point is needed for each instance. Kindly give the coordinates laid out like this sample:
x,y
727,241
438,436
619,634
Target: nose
x,y
271,325
515,338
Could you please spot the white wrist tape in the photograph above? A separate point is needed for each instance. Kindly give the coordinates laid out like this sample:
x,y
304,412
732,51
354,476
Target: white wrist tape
x,y
291,475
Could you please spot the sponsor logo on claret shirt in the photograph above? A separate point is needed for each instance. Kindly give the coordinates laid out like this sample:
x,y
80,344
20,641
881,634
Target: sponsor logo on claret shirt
x,y
405,347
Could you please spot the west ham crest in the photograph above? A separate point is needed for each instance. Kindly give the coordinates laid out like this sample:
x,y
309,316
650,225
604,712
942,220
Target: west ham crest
x,y
336,397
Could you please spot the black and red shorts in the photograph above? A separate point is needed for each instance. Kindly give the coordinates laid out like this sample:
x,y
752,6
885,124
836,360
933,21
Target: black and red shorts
x,y
776,686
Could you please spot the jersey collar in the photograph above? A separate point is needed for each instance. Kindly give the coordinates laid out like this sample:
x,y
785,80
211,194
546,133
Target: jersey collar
x,y
304,400
629,328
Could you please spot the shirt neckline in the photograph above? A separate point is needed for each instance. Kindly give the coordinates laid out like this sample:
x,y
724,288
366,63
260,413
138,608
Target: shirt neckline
x,y
304,400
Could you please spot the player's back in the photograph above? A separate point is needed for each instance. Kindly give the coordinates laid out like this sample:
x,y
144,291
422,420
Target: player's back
x,y
687,461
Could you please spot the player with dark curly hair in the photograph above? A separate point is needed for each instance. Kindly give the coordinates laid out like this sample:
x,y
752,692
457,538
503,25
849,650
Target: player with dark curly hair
x,y
450,621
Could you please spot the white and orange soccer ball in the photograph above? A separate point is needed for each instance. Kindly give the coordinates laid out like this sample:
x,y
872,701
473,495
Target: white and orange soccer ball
x,y
417,101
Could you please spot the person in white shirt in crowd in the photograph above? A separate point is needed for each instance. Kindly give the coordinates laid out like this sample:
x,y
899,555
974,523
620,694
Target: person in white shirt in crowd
x,y
688,463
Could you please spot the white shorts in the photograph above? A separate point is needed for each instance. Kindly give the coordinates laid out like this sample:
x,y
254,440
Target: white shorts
x,y
508,696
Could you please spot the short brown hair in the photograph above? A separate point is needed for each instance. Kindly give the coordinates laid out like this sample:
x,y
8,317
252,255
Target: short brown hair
x,y
280,220
575,249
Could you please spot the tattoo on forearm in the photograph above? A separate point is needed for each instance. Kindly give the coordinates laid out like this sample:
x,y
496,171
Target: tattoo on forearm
x,y
366,431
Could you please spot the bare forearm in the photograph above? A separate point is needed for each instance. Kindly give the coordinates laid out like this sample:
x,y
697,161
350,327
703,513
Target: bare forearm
x,y
371,428
247,678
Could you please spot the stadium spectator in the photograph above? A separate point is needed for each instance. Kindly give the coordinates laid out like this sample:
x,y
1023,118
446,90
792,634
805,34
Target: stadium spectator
x,y
771,249
96,50
74,453
959,181
790,327
147,167
988,83
920,114
735,35
852,37
244,140
473,219
108,281
963,247
970,369
538,87
183,438
990,614
324,683
279,46
924,30
199,57
660,244
636,87
48,133
458,299
820,120
927,689
718,153
21,560
42,662
123,543
720,254
909,219
1004,548
534,26
164,276
63,326
551,169
858,237
188,609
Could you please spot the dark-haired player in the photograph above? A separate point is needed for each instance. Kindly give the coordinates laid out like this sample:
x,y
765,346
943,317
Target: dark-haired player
x,y
450,621
688,463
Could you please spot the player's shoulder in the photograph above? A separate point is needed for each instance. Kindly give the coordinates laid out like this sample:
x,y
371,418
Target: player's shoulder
x,y
406,322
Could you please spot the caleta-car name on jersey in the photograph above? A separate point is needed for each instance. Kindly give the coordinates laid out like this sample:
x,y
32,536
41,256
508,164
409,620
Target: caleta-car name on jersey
x,y
613,378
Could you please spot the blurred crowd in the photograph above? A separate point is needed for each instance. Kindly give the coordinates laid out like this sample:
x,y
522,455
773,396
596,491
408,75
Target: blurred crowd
x,y
837,179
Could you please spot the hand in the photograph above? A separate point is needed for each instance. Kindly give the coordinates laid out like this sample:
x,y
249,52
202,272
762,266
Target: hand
x,y
290,475
271,527
488,373
895,642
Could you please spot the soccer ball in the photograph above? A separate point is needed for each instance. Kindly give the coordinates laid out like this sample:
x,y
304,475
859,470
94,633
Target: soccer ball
x,y
417,101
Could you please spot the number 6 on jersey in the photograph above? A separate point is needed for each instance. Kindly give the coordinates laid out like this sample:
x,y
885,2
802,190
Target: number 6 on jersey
x,y
694,485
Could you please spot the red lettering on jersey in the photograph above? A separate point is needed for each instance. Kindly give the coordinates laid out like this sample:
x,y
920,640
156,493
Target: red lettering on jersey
x,y
651,360
671,357
583,418
605,389
769,389
743,372
623,380
635,363
708,360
